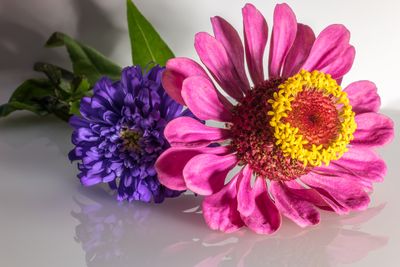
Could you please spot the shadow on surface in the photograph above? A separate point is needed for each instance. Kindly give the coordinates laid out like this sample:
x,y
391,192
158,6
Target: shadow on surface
x,y
22,128
95,28
19,46
22,40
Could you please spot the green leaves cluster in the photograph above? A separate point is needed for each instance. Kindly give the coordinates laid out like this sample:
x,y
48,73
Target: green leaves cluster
x,y
59,91
56,94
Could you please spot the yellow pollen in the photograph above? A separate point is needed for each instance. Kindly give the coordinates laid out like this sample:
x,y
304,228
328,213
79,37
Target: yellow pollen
x,y
288,138
130,139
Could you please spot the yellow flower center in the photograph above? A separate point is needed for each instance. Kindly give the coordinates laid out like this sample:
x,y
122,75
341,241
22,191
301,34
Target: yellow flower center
x,y
130,139
312,118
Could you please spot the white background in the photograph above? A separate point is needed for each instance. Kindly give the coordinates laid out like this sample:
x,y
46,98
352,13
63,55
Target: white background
x,y
26,25
41,222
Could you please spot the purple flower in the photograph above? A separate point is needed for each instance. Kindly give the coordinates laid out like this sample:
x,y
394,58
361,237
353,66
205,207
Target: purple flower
x,y
120,134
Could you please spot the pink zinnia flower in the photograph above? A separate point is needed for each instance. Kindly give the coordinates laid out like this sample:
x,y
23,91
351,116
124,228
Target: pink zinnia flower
x,y
301,142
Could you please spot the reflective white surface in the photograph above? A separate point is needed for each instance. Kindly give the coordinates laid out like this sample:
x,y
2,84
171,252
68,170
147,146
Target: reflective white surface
x,y
48,219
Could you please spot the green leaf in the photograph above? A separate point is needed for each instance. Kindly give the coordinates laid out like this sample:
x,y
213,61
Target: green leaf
x,y
74,108
31,96
10,107
60,94
60,78
38,96
86,61
82,90
147,45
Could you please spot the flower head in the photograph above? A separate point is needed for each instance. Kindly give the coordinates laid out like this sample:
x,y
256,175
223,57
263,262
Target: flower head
x,y
301,142
120,134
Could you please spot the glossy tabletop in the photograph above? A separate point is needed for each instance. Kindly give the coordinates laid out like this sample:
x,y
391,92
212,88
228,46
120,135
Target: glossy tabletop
x,y
49,219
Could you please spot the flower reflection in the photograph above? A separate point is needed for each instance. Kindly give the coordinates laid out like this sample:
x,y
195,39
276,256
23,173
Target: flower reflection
x,y
116,234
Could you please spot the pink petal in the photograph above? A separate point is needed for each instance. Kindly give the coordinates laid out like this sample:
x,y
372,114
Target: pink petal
x,y
300,50
373,129
329,45
205,174
265,218
361,165
177,70
204,100
170,164
213,54
297,209
255,39
246,199
350,195
332,203
309,194
230,39
319,198
340,66
186,131
283,36
220,209
363,96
